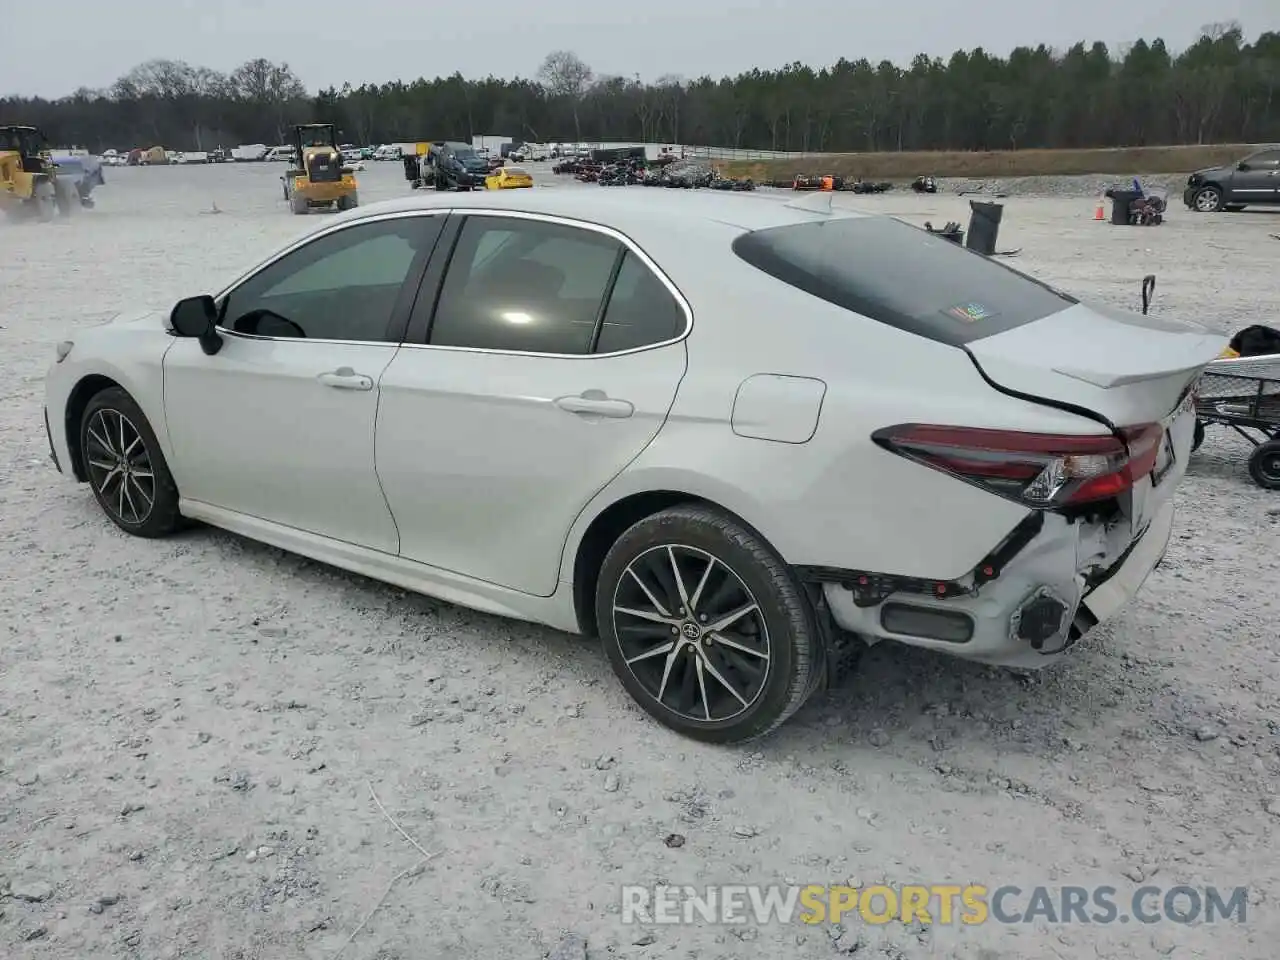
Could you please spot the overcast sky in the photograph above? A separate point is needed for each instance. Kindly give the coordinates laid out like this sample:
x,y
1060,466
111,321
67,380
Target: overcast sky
x,y
51,49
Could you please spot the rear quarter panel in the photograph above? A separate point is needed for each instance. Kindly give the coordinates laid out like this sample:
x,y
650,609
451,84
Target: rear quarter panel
x,y
839,499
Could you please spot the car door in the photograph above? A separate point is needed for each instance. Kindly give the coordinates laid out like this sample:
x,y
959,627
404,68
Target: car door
x,y
550,362
1259,181
279,423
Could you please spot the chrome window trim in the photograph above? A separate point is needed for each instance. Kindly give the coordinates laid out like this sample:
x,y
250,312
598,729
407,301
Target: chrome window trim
x,y
610,232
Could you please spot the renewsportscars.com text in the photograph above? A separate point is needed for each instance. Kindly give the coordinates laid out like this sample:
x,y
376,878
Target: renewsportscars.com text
x,y
939,903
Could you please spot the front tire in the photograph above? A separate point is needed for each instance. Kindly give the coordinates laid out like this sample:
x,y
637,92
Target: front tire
x,y
66,199
44,201
126,467
1207,200
705,626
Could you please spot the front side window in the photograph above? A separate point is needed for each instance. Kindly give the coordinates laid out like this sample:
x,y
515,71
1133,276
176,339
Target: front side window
x,y
524,285
341,286
1267,158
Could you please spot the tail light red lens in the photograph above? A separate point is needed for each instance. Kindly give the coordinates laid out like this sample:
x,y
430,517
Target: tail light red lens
x,y
1038,469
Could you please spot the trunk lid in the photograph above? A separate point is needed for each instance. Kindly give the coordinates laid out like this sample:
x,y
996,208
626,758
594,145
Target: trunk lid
x,y
1127,368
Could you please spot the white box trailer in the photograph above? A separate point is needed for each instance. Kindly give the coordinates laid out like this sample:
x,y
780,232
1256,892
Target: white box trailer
x,y
490,142
248,152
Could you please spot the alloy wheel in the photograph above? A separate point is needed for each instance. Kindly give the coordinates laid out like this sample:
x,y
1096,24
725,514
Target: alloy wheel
x,y
120,467
1208,201
691,633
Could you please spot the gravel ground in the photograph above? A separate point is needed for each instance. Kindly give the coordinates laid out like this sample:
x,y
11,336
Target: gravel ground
x,y
1083,186
192,731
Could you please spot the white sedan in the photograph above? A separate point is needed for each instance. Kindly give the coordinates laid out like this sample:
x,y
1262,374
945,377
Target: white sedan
x,y
726,434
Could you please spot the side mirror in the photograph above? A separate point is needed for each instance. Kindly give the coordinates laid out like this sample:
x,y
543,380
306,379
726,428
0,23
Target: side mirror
x,y
1242,165
197,317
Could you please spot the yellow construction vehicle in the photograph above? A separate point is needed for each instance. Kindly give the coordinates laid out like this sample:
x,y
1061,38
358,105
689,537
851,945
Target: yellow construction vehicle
x,y
320,179
29,185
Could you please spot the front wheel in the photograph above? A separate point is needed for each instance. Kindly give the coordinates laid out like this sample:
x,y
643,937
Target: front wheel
x,y
1208,200
44,201
66,198
1197,436
1264,465
705,626
125,466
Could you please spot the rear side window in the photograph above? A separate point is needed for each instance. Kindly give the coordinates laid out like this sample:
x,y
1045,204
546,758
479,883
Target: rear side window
x,y
901,276
641,310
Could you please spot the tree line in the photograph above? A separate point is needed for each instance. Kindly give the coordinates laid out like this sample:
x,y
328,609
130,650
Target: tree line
x,y
1221,89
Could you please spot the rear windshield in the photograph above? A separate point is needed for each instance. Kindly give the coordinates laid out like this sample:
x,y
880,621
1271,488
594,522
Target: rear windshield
x,y
900,275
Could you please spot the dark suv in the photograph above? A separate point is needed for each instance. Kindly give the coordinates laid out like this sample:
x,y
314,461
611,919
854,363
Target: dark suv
x,y
1255,179
457,166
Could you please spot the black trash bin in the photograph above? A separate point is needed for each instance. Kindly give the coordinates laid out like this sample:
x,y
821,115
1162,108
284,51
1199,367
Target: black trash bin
x,y
1121,200
984,226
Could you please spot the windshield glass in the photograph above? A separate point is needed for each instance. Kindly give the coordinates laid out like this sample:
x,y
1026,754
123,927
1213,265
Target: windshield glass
x,y
902,276
465,154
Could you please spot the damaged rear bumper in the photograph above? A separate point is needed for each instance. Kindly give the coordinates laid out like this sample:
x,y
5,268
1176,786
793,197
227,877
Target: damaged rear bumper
x,y
1032,610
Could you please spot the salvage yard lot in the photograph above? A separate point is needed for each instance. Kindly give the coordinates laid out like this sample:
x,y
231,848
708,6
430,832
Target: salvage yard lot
x,y
169,709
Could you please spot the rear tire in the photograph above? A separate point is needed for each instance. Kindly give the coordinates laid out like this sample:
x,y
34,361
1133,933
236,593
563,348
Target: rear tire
x,y
1264,465
1197,436
299,204
126,467
725,685
349,202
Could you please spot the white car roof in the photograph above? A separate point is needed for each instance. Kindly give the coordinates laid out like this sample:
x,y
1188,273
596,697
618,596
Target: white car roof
x,y
635,211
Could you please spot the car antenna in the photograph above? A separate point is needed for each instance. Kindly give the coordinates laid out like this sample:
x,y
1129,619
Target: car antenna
x,y
814,202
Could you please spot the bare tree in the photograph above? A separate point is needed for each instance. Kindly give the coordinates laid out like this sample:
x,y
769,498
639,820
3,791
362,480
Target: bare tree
x,y
670,93
270,86
564,74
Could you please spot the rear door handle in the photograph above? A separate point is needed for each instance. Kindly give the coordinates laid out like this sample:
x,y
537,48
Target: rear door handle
x,y
344,378
594,403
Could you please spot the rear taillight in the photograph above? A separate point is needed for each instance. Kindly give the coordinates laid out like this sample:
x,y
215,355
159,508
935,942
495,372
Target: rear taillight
x,y
1038,469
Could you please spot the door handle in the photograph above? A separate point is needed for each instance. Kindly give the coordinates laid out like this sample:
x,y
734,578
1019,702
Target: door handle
x,y
344,378
594,403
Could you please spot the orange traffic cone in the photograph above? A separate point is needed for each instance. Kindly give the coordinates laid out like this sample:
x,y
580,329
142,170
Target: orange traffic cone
x,y
1098,213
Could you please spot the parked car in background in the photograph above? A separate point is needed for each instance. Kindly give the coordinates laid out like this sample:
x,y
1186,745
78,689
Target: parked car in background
x,y
509,178
1254,180
388,152
730,436
456,166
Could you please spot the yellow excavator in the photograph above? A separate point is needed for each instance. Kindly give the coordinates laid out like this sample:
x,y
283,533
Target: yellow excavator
x,y
29,185
319,178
